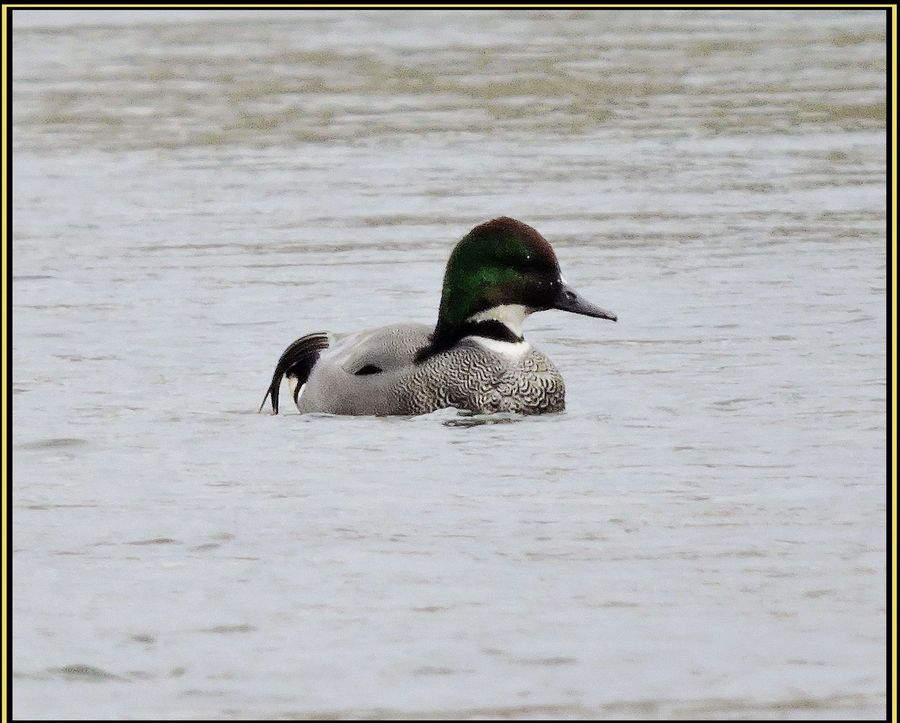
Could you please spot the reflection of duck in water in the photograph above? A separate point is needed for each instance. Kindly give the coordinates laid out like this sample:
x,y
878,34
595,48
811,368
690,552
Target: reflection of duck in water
x,y
474,359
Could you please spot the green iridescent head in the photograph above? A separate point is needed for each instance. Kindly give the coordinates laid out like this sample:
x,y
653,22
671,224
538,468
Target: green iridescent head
x,y
499,262
504,262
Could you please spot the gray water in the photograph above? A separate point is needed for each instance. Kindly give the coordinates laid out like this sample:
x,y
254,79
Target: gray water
x,y
701,533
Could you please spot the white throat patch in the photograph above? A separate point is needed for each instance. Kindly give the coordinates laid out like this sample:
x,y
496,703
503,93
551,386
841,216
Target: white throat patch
x,y
511,315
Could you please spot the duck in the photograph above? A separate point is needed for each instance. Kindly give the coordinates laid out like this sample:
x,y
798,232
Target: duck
x,y
475,358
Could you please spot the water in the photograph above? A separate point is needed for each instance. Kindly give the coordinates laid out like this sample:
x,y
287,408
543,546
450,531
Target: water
x,y
701,533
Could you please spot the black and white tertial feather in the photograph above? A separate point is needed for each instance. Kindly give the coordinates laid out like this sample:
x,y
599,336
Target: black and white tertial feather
x,y
296,363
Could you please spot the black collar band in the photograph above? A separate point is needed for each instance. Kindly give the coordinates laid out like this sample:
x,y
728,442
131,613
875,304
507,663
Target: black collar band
x,y
487,329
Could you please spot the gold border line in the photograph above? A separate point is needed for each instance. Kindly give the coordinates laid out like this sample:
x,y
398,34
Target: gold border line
x,y
542,6
893,325
4,699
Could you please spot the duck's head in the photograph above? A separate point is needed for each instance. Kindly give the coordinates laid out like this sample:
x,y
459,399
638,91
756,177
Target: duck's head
x,y
499,273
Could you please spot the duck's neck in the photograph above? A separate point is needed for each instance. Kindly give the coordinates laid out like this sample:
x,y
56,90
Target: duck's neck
x,y
511,316
499,323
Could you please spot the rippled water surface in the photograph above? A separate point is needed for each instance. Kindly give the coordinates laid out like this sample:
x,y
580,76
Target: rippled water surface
x,y
700,534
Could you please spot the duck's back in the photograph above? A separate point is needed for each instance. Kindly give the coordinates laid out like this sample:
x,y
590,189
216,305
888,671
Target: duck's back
x,y
375,372
361,373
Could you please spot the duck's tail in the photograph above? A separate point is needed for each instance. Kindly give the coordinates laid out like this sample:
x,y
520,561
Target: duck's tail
x,y
296,363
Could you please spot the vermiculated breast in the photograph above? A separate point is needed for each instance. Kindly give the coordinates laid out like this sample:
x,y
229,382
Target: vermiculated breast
x,y
471,378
